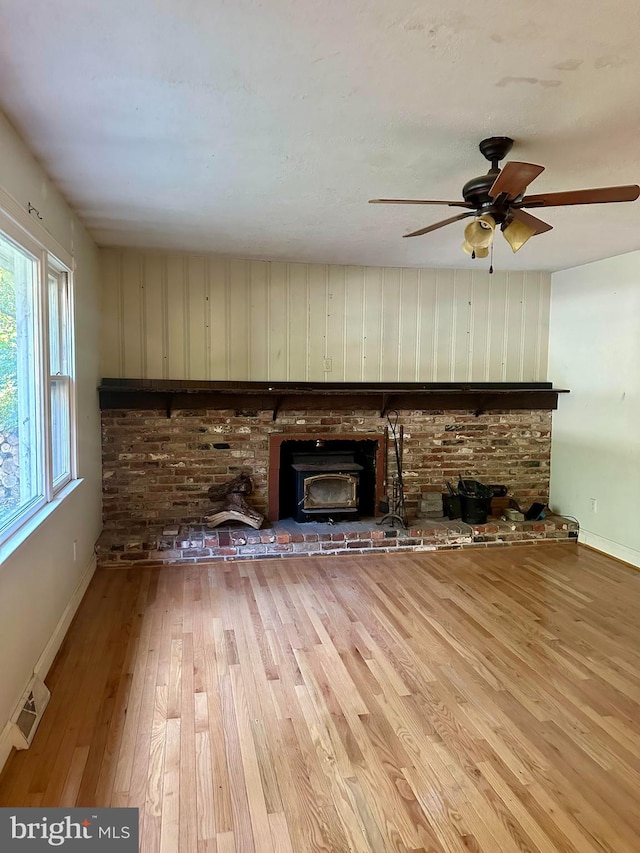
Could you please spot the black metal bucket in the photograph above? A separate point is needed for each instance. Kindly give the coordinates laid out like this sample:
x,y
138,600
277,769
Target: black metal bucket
x,y
475,501
474,510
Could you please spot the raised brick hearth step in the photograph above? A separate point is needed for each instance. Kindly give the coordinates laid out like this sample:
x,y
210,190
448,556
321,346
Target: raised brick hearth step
x,y
195,543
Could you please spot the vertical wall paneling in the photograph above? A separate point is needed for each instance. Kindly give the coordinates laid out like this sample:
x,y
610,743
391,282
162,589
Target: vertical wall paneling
x,y
452,330
445,283
478,366
418,309
336,321
530,303
258,330
372,325
278,322
460,337
317,321
470,354
514,327
238,320
354,323
543,325
206,317
407,329
425,320
536,365
197,317
111,339
177,323
164,296
154,311
498,318
436,324
132,317
218,307
298,331
390,338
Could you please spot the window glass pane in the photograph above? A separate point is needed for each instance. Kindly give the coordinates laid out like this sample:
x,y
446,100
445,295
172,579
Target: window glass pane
x,y
59,370
20,458
64,310
55,361
60,432
58,323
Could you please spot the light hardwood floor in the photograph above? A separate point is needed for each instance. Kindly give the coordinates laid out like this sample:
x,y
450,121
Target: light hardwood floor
x,y
480,700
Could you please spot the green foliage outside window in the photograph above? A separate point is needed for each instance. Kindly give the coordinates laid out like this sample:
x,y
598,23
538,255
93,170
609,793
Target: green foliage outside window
x,y
8,354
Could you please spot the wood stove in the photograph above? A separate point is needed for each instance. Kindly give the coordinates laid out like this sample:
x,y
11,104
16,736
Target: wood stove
x,y
326,485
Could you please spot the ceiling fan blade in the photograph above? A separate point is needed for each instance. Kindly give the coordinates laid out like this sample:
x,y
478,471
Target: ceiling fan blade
x,y
418,201
514,178
603,195
531,221
440,224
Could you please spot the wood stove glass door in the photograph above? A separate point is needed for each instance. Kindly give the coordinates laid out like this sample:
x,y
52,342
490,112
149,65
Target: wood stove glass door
x,y
324,492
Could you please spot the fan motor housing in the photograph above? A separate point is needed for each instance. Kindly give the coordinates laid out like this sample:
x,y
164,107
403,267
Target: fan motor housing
x,y
476,192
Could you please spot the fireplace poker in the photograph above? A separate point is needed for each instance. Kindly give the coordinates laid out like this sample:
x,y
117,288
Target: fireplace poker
x,y
398,510
383,504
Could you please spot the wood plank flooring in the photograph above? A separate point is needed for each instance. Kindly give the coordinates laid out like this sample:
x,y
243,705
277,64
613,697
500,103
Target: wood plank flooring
x,y
484,701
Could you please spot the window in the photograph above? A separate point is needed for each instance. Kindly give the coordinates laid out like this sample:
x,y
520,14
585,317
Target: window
x,y
59,376
36,378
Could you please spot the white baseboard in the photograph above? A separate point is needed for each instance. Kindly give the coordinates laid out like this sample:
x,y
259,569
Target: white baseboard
x,y
6,743
45,660
608,546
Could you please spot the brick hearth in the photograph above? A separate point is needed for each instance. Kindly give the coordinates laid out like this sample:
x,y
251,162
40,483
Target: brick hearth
x,y
158,465
197,543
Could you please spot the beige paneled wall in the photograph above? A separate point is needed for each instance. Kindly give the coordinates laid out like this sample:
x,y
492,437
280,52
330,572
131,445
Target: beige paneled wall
x,y
203,317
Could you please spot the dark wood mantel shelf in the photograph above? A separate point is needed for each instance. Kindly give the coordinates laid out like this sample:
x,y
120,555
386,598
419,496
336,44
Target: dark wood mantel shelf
x,y
279,397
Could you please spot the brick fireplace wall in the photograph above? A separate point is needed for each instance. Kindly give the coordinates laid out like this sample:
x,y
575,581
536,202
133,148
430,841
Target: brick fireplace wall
x,y
157,469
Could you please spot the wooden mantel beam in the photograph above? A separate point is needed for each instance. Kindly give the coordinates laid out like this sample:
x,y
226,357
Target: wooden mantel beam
x,y
277,397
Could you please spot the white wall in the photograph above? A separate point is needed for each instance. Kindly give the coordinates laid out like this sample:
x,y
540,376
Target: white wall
x,y
40,582
179,316
595,352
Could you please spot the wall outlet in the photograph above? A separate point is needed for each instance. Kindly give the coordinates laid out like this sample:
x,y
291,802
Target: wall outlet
x,y
593,504
327,365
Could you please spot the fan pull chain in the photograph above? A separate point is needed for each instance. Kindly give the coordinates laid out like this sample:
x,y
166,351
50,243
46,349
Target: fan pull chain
x,y
473,255
491,262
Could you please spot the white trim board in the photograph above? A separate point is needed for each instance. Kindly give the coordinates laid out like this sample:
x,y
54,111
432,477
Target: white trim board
x,y
33,229
608,546
43,664
6,743
45,660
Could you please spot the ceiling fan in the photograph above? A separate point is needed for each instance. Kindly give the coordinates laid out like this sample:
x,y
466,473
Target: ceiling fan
x,y
498,198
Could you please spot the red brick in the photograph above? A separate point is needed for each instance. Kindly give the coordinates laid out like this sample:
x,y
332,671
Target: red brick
x,y
511,448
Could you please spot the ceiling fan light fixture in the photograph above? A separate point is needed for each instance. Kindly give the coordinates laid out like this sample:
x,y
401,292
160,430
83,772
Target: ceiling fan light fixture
x,y
517,233
480,252
479,233
503,191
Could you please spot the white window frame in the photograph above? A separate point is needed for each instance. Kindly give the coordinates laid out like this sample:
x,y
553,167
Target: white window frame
x,y
65,327
27,234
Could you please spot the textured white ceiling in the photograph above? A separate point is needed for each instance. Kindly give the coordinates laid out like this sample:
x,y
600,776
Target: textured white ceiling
x,y
260,128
